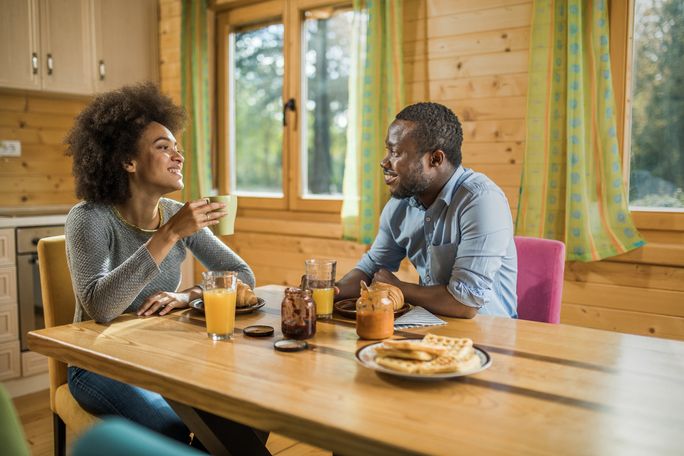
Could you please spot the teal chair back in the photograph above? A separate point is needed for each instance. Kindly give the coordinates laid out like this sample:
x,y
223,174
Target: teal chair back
x,y
11,431
115,436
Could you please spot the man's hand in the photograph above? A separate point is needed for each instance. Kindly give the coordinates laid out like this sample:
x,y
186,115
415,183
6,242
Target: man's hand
x,y
434,298
385,276
164,302
349,285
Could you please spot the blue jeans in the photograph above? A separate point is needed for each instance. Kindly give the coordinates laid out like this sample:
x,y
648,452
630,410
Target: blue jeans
x,y
100,396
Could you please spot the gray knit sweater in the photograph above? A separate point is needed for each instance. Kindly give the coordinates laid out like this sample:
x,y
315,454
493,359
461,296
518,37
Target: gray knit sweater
x,y
113,272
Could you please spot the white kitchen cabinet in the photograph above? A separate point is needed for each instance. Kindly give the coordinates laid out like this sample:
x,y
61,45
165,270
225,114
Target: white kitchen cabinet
x,y
10,361
6,246
19,44
8,285
46,45
77,46
9,323
33,363
126,42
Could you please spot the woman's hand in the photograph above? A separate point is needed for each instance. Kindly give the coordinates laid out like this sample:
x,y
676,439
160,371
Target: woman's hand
x,y
194,216
164,302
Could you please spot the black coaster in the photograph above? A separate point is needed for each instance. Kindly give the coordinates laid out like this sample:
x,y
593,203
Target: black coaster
x,y
258,331
290,345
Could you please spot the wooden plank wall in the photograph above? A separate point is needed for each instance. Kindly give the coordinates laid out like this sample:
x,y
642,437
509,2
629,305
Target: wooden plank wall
x,y
41,176
472,55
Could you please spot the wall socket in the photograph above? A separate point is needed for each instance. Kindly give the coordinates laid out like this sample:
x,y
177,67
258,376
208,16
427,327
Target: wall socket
x,y
10,148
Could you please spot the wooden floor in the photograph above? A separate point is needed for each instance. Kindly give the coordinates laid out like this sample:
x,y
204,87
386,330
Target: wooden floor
x,y
35,415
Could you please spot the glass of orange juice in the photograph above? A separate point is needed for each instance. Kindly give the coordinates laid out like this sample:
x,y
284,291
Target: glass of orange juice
x,y
219,303
320,279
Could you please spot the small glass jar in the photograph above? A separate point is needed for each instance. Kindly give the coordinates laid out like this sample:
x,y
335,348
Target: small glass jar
x,y
375,316
298,314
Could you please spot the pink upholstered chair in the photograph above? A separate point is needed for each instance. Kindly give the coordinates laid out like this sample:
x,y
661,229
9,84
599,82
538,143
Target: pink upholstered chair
x,y
541,263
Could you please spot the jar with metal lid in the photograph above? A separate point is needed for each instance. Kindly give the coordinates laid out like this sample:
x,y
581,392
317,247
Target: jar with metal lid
x,y
374,315
298,314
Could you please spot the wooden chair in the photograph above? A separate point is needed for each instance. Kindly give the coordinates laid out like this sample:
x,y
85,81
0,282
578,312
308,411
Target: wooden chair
x,y
58,306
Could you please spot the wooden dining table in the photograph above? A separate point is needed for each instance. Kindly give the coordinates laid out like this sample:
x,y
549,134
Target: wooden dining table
x,y
550,389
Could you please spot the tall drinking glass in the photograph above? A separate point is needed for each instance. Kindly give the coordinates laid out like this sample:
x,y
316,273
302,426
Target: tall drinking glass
x,y
219,303
320,279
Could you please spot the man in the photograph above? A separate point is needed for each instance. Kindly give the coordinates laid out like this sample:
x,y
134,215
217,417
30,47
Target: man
x,y
453,224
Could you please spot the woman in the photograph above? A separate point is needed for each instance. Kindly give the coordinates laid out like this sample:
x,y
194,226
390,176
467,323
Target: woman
x,y
125,241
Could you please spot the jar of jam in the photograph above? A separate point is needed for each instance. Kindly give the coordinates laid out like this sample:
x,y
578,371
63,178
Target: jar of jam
x,y
375,315
298,314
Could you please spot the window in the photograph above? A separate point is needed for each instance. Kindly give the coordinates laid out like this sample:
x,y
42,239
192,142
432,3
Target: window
x,y
283,86
256,73
656,140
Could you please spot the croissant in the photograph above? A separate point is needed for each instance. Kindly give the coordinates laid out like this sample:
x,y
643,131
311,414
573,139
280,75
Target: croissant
x,y
245,296
393,293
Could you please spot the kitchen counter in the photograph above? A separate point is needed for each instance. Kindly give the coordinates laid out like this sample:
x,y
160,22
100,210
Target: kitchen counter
x,y
12,217
36,220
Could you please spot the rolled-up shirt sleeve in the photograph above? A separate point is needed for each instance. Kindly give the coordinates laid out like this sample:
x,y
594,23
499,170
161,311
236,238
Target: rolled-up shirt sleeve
x,y
385,253
486,232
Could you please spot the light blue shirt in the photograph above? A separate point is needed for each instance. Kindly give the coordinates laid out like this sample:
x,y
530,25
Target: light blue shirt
x,y
464,240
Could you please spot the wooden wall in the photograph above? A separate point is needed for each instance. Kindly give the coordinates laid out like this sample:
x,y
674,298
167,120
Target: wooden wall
x,y
42,175
473,57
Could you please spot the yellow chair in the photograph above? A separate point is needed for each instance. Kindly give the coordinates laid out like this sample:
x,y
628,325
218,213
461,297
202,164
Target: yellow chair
x,y
58,306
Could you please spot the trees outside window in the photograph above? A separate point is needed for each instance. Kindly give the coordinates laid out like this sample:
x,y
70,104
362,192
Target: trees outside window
x,y
283,86
657,129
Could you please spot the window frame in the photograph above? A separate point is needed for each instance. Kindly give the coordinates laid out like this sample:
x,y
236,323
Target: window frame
x,y
621,16
291,13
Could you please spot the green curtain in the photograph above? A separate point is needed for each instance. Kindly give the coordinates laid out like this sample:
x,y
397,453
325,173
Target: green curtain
x,y
572,187
376,96
196,97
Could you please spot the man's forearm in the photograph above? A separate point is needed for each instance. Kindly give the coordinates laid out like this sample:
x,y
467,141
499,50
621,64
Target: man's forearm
x,y
436,299
349,285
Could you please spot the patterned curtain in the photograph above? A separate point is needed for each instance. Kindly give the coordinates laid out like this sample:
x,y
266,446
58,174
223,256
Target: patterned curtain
x,y
376,95
572,187
196,97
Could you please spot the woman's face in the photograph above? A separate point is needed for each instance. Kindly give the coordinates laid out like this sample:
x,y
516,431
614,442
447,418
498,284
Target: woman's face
x,y
158,165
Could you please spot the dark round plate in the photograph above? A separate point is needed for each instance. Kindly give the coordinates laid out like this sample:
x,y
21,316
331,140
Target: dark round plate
x,y
199,305
347,308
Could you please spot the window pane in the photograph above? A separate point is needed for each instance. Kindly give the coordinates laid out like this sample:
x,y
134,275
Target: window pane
x,y
327,49
257,128
657,152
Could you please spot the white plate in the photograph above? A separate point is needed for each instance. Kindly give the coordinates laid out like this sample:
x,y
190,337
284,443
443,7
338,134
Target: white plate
x,y
366,357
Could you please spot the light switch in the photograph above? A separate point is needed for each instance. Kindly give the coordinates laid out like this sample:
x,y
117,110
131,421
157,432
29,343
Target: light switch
x,y
10,148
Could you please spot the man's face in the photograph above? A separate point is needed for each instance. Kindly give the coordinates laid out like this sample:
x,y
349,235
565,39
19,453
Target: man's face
x,y
403,163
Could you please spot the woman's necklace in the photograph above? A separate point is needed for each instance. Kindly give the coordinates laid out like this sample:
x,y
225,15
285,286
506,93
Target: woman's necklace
x,y
144,230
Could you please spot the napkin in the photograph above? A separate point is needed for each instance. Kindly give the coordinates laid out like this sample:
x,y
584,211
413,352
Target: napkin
x,y
417,317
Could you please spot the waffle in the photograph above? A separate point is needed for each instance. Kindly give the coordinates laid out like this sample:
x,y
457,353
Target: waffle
x,y
450,354
404,354
415,345
441,364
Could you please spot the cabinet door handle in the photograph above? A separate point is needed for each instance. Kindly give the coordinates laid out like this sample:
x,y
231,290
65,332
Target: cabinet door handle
x,y
49,64
103,70
34,63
